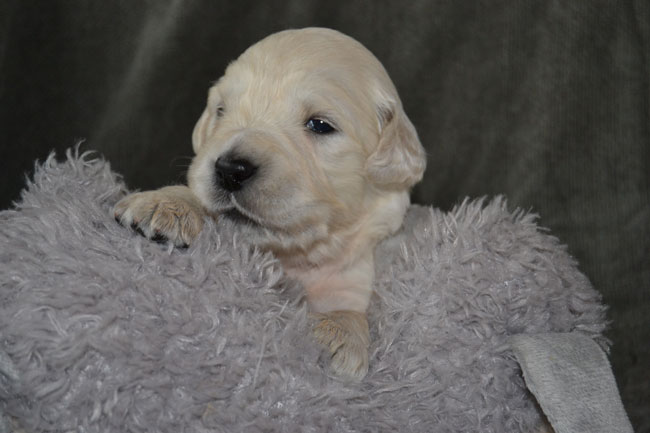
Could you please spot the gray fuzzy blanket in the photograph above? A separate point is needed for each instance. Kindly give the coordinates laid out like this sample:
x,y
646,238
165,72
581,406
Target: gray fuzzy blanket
x,y
104,331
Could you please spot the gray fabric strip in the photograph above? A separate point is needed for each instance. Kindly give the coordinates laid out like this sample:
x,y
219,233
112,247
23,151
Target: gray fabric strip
x,y
571,378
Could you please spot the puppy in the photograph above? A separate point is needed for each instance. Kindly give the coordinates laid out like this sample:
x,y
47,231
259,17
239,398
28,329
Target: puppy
x,y
304,143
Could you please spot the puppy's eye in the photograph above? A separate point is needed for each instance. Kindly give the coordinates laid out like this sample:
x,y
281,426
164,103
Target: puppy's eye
x,y
319,126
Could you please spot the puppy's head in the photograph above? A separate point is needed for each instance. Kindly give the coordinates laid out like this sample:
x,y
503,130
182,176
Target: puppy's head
x,y
302,139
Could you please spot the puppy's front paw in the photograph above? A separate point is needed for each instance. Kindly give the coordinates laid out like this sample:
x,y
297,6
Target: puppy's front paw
x,y
346,335
171,213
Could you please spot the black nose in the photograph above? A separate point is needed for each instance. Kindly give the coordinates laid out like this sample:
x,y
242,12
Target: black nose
x,y
232,173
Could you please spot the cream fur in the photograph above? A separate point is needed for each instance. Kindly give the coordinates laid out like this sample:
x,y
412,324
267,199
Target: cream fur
x,y
319,202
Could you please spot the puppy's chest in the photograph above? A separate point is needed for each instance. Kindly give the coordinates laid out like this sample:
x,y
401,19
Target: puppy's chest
x,y
336,286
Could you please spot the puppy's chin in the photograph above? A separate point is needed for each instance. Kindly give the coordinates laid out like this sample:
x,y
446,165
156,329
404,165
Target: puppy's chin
x,y
251,229
280,234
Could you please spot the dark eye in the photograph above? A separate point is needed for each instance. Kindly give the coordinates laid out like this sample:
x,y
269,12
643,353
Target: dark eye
x,y
319,126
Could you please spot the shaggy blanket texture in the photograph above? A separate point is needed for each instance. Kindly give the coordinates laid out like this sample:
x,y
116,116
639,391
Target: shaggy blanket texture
x,y
102,330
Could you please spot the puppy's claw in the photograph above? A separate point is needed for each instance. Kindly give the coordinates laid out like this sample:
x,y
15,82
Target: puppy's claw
x,y
159,237
346,335
168,214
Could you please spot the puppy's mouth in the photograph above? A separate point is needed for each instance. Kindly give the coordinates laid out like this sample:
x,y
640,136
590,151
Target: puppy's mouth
x,y
238,214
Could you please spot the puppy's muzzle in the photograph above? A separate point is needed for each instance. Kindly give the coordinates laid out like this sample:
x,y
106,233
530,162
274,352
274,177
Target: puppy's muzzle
x,y
233,173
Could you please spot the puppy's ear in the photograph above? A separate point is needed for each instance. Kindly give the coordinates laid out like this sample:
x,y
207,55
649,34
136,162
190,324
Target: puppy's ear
x,y
201,130
399,160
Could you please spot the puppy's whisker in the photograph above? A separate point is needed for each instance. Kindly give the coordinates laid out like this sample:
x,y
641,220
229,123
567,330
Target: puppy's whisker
x,y
182,163
220,208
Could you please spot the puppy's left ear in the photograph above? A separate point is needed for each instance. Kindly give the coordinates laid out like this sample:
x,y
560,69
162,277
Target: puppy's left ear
x,y
399,160
202,130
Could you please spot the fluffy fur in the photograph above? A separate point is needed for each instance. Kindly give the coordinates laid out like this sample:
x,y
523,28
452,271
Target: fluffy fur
x,y
102,330
319,201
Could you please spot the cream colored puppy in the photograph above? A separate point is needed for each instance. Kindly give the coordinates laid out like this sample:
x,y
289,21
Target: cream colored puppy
x,y
303,142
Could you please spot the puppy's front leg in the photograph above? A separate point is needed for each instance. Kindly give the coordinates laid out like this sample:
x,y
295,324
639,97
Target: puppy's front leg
x,y
345,333
172,213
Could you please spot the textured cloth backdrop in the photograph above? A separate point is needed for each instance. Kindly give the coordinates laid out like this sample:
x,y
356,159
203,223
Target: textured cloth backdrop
x,y
545,102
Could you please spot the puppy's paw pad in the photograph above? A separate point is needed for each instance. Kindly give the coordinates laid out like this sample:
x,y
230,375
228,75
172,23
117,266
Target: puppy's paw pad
x,y
345,334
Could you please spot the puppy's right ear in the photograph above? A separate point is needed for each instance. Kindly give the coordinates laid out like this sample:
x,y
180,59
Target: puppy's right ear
x,y
202,129
399,159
